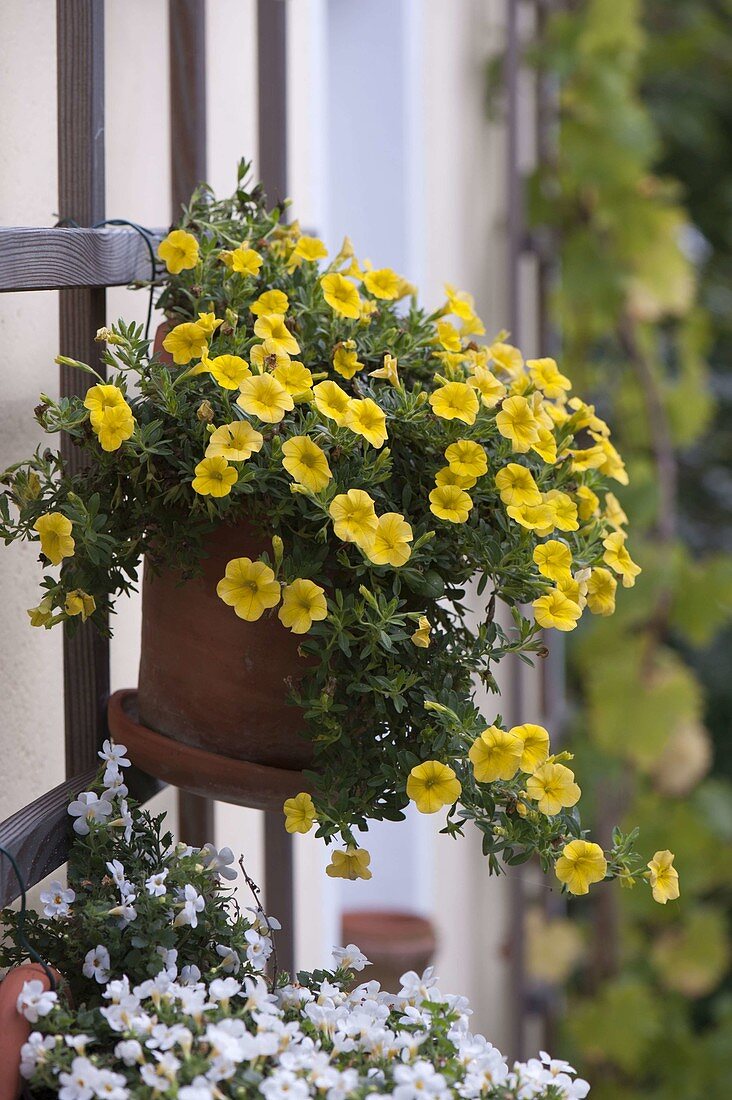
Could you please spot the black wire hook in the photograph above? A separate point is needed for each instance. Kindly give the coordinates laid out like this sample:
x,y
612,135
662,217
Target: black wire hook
x,y
21,921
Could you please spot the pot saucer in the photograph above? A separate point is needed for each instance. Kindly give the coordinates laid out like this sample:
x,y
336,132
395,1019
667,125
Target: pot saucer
x,y
195,770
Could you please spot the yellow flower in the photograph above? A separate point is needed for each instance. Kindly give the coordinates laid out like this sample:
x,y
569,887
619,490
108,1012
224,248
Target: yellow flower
x,y
664,877
449,337
553,559
272,301
263,360
587,502
341,295
432,785
264,397
387,371
114,427
459,302
536,745
618,558
185,342
449,476
208,323
563,508
296,378
421,636
496,754
179,251
546,446
80,603
601,589
299,813
243,260
332,401
56,539
591,458
556,610
249,587
228,370
306,463
214,477
41,615
612,465
489,387
345,359
365,418
614,514
234,442
545,375
354,517
534,517
455,401
383,283
450,503
390,544
517,486
580,864
271,328
516,421
101,398
467,458
307,248
552,787
351,864
303,603
508,358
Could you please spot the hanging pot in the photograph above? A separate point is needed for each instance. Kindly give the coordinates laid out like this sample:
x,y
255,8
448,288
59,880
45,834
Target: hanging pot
x,y
14,1028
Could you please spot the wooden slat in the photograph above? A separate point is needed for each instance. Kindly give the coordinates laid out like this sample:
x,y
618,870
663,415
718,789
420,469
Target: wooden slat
x,y
51,259
272,96
80,77
38,836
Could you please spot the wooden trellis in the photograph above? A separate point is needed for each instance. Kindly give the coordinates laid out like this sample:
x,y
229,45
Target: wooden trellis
x,y
81,263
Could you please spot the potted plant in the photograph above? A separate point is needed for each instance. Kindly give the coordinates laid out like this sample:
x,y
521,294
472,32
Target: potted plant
x,y
321,483
171,995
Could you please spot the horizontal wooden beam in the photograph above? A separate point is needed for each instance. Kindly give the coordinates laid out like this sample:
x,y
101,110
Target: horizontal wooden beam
x,y
51,259
39,835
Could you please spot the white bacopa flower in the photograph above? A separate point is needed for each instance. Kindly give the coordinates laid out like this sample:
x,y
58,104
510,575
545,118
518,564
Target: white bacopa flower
x,y
199,1089
230,961
126,911
34,1000
57,899
80,1083
192,904
96,964
111,1086
166,1069
114,754
170,960
34,1052
284,1085
222,989
129,1051
116,872
79,1043
262,923
217,862
114,783
86,808
155,885
350,958
190,974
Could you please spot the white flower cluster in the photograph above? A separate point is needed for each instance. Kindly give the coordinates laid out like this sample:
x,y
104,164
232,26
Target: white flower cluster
x,y
185,1038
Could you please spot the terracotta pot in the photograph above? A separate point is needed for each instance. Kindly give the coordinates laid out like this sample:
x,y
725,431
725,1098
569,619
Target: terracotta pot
x,y
208,678
394,941
160,333
14,1028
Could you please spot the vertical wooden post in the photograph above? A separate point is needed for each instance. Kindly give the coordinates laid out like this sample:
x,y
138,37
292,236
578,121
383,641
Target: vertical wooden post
x,y
80,68
187,45
272,130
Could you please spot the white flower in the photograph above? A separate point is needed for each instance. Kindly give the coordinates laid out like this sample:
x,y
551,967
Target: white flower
x,y
129,1051
155,885
96,964
262,923
125,911
217,862
80,1083
86,808
56,900
35,1000
284,1085
33,1053
114,754
114,783
192,905
230,960
350,958
259,949
416,1081
222,989
166,1070
79,1043
111,1086
116,871
190,974
170,960
199,1089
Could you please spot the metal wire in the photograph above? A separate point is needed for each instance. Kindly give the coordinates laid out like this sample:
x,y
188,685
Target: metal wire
x,y
20,935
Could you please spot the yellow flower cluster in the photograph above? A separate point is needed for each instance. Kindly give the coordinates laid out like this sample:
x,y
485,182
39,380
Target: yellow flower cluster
x,y
110,416
250,587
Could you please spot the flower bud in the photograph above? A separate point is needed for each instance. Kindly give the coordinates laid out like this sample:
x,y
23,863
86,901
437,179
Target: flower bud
x,y
205,412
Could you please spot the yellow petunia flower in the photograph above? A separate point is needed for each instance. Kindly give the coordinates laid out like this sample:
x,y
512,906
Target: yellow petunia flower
x,y
306,463
185,342
42,615
299,813
243,261
303,603
383,283
332,401
664,877
534,517
556,610
387,371
580,864
214,477
618,558
489,387
351,864
354,517
295,377
271,301
264,397
114,427
455,401
309,249
271,328
179,251
208,323
614,514
516,421
341,295
101,398
57,542
467,458
366,419
450,503
587,502
345,359
612,464
249,587
546,376
449,337
506,357
228,370
262,359
432,785
449,476
390,544
459,302
563,508
421,636
496,754
554,559
80,603
546,446
235,442
517,486
601,588
553,788
535,745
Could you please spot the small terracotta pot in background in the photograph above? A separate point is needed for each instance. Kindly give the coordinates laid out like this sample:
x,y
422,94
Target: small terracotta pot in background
x,y
394,941
14,1028
160,333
